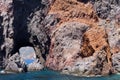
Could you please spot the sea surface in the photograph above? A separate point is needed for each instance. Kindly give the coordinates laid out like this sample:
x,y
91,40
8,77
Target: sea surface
x,y
51,75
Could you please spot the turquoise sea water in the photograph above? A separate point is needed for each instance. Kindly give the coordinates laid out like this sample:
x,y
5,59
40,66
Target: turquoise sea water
x,y
51,75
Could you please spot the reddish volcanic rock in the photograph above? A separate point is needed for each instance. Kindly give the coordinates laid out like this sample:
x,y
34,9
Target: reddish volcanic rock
x,y
78,37
72,10
76,43
65,44
77,40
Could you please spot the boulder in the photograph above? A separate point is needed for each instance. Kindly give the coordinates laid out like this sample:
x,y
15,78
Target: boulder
x,y
15,64
95,65
35,66
13,67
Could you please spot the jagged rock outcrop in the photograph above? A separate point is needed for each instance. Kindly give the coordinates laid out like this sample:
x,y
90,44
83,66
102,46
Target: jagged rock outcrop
x,y
91,54
116,62
21,25
7,42
15,64
76,48
80,37
28,26
106,8
109,12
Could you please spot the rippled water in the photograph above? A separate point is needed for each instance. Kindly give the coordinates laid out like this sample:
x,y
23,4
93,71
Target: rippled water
x,y
51,75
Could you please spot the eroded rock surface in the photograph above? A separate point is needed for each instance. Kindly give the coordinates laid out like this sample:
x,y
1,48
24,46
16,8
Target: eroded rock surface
x,y
116,61
6,14
106,8
78,49
21,25
65,44
77,40
15,64
80,37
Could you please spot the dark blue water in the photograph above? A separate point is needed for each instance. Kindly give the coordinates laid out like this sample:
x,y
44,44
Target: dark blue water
x,y
51,75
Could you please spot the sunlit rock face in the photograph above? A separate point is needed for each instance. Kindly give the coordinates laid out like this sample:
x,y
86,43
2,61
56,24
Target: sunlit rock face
x,y
79,45
80,50
78,37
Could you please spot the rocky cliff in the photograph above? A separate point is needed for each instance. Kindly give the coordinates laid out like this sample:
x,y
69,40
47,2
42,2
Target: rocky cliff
x,y
78,37
22,25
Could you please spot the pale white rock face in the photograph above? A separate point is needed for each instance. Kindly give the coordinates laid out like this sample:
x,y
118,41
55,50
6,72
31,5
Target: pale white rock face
x,y
27,53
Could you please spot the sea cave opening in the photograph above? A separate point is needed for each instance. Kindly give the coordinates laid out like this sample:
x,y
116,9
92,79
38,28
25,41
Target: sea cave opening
x,y
28,54
26,51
